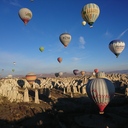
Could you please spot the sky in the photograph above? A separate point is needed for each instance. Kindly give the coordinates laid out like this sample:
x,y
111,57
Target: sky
x,y
87,50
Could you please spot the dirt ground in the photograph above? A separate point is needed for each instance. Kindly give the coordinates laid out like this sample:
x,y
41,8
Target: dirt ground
x,y
62,111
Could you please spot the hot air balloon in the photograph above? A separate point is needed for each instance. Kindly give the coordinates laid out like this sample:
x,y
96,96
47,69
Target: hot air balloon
x,y
25,15
96,70
13,70
57,74
31,77
101,91
41,49
116,46
82,73
14,63
60,73
83,23
90,12
59,59
76,71
65,39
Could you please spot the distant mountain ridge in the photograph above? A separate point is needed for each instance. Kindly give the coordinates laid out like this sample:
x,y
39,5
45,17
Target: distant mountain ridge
x,y
66,74
119,71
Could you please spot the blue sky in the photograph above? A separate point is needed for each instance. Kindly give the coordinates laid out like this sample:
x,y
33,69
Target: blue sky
x,y
87,50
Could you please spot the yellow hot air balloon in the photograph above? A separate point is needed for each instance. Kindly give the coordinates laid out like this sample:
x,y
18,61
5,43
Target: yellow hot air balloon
x,y
90,12
83,23
65,39
41,49
25,15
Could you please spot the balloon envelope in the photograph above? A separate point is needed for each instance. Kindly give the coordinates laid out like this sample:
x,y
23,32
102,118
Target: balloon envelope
x,y
60,73
117,46
14,63
31,77
13,70
65,39
76,71
96,70
59,59
41,49
90,12
25,15
82,73
84,23
101,91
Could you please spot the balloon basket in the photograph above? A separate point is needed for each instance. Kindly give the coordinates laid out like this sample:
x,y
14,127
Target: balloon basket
x,y
101,112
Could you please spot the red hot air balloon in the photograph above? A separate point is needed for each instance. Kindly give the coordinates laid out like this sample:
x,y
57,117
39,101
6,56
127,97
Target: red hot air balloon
x,y
96,70
59,59
101,91
75,71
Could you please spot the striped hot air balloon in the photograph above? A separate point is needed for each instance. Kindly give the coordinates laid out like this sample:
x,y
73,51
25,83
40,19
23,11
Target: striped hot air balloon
x,y
90,12
31,77
101,91
117,46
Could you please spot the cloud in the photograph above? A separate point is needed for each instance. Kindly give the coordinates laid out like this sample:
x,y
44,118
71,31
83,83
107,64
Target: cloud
x,y
12,2
76,59
82,42
122,33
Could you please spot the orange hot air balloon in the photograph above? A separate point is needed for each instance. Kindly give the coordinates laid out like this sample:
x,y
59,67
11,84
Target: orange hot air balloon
x,y
96,70
59,59
31,77
82,73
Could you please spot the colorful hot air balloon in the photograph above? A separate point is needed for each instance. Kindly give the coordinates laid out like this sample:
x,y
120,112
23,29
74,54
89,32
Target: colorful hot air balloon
x,y
41,49
96,70
76,71
90,12
25,15
116,46
31,77
59,59
65,39
82,73
101,91
83,23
